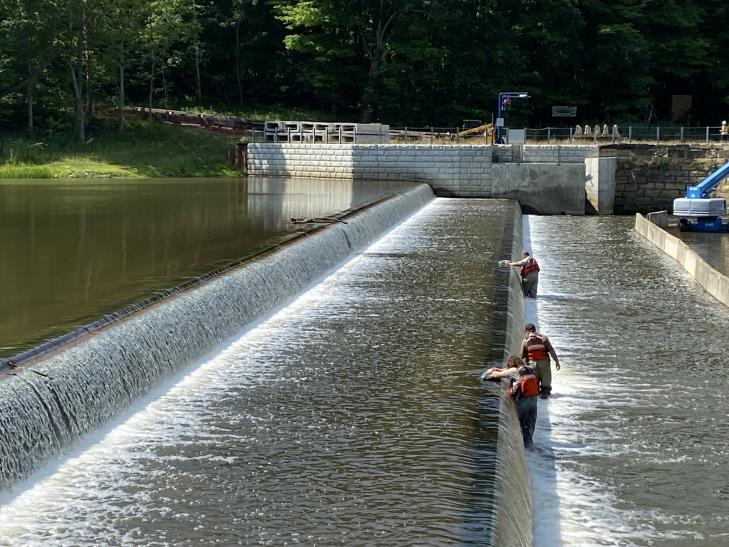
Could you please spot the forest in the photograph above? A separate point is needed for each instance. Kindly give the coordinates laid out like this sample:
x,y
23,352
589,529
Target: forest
x,y
402,62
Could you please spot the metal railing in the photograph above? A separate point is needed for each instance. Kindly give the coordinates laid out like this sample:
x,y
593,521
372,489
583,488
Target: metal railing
x,y
545,135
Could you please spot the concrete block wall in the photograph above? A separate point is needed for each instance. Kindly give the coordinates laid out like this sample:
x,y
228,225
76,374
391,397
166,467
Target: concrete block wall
x,y
446,168
454,171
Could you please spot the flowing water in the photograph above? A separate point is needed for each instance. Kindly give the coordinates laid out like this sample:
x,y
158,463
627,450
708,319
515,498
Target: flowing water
x,y
633,447
352,416
72,251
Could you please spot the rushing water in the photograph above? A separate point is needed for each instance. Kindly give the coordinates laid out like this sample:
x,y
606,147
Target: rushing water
x,y
352,416
72,251
633,447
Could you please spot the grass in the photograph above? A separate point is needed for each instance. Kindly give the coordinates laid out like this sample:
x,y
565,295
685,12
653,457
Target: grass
x,y
144,149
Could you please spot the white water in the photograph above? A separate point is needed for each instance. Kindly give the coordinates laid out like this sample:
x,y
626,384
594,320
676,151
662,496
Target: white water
x,y
631,449
354,415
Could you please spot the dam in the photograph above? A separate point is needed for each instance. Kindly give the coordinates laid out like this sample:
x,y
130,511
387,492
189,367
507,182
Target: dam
x,y
347,409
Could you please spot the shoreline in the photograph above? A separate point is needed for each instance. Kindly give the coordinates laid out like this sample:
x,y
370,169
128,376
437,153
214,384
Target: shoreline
x,y
146,149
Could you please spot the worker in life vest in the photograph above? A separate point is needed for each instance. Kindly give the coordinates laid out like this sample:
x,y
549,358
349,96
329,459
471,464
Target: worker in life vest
x,y
536,348
523,388
529,273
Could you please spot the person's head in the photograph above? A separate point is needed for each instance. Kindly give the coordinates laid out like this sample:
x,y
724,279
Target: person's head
x,y
525,254
524,370
514,361
529,327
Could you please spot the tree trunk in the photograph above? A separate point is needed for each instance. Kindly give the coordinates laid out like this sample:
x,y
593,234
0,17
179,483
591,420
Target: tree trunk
x,y
29,95
164,83
122,121
237,62
198,84
30,108
151,84
77,79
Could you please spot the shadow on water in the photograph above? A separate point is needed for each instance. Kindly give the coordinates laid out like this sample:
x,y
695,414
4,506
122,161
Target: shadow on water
x,y
541,460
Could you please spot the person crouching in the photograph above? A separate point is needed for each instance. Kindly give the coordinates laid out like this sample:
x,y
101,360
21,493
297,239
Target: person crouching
x,y
523,388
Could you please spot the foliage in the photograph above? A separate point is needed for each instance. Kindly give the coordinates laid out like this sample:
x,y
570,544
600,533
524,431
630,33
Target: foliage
x,y
403,62
144,149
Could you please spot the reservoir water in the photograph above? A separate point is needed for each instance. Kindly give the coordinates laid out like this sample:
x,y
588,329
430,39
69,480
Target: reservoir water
x,y
713,248
72,251
353,416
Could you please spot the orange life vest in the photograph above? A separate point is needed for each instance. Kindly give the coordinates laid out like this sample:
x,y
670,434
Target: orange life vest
x,y
526,386
536,348
531,266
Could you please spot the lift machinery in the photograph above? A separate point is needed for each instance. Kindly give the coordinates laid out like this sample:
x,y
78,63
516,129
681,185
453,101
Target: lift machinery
x,y
697,211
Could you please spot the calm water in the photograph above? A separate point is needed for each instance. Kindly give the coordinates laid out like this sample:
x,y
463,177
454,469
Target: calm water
x,y
71,251
353,416
633,448
714,248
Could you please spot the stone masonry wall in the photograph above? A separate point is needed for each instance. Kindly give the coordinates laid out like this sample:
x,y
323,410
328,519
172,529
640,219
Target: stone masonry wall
x,y
649,177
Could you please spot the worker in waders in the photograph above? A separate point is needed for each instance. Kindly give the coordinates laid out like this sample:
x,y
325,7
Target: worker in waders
x,y
536,348
523,388
529,274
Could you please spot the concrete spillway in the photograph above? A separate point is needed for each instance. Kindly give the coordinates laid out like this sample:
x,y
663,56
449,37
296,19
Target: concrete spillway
x,y
352,415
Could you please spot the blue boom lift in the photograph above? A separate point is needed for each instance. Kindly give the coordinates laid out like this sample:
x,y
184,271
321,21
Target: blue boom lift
x,y
699,212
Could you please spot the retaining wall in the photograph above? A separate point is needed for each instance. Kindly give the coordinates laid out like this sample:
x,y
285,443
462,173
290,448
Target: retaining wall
x,y
649,177
714,282
545,179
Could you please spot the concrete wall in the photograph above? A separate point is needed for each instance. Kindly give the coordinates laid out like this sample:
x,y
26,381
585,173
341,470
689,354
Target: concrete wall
x,y
544,188
600,184
714,282
546,179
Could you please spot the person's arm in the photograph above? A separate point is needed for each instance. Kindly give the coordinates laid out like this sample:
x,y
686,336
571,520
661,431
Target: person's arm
x,y
550,350
519,263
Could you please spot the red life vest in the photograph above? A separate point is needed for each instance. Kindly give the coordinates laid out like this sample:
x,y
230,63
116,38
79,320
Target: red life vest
x,y
536,348
531,266
526,386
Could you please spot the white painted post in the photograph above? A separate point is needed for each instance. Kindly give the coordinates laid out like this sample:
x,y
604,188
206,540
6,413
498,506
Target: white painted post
x,y
681,133
549,134
630,133
707,133
406,133
288,134
340,133
658,134
571,136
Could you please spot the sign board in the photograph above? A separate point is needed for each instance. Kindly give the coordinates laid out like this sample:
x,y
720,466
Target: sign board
x,y
499,122
564,111
517,136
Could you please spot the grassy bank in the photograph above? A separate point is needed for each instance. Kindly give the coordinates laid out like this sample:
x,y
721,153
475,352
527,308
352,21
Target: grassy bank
x,y
145,149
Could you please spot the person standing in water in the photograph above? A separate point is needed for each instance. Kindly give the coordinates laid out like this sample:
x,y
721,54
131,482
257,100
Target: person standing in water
x,y
529,274
536,348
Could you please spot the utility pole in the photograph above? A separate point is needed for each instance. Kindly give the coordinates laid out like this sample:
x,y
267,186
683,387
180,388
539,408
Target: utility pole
x,y
503,103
